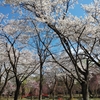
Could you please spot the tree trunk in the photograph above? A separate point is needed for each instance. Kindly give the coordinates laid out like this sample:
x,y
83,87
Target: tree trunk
x,y
85,92
18,84
41,79
53,96
70,94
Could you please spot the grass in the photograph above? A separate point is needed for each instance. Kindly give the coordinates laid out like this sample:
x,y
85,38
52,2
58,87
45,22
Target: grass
x,y
4,98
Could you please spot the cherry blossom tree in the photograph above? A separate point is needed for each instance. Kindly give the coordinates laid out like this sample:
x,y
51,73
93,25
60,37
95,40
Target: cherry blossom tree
x,y
22,63
69,82
51,80
5,67
9,89
74,33
41,50
94,84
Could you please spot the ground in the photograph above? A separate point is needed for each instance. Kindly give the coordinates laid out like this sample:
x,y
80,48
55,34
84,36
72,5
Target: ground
x,y
46,99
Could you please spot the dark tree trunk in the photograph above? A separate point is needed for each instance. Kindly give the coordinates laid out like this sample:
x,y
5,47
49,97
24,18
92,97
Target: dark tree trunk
x,y
53,97
41,79
18,84
70,94
85,91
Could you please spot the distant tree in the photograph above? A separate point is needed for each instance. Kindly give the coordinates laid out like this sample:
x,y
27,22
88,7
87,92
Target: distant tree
x,y
51,81
94,85
9,89
69,82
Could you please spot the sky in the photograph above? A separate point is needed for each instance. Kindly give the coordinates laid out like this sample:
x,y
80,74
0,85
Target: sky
x,y
77,11
7,10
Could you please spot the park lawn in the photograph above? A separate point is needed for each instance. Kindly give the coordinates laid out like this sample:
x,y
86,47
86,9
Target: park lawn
x,y
2,98
13,99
